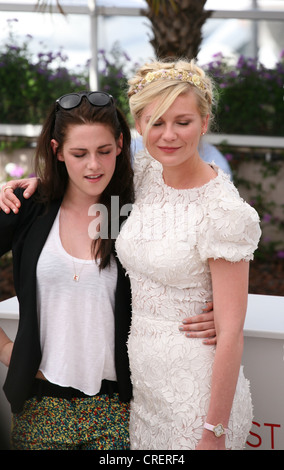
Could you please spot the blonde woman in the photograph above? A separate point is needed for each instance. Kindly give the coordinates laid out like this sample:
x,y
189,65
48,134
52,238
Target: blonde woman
x,y
188,240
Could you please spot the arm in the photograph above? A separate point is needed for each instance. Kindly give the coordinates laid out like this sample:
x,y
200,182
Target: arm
x,y
230,290
201,326
6,346
9,201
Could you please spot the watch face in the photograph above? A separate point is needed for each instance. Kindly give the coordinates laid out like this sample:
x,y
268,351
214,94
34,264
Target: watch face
x,y
219,430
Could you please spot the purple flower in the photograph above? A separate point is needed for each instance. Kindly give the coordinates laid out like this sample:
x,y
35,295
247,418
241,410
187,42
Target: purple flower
x,y
280,254
126,56
218,54
15,171
267,218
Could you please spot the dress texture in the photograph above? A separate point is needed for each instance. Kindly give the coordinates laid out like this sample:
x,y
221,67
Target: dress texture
x,y
165,246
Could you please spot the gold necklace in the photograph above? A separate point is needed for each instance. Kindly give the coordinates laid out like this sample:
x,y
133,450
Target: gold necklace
x,y
76,276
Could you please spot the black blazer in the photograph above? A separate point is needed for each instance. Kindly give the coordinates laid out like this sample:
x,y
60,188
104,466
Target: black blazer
x,y
25,234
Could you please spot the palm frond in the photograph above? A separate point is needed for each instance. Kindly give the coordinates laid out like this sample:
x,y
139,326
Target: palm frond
x,y
156,5
42,5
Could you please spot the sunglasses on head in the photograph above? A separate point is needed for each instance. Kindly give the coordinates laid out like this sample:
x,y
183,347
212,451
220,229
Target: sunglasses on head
x,y
96,98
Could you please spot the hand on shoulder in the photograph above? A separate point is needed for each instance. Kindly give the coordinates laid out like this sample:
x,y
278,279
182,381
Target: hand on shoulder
x,y
9,201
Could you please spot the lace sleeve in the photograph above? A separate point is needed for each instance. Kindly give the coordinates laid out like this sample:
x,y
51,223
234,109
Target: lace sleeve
x,y
230,231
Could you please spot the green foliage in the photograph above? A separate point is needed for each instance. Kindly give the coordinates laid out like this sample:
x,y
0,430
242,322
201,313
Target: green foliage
x,y
259,195
250,102
28,86
114,67
250,96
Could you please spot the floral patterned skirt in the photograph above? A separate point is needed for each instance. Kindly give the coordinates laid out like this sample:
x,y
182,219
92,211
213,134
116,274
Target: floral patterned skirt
x,y
93,423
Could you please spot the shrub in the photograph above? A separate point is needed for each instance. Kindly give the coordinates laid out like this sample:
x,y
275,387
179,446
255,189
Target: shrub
x,y
114,67
250,96
28,86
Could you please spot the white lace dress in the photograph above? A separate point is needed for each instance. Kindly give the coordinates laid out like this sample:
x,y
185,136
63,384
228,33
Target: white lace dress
x,y
164,246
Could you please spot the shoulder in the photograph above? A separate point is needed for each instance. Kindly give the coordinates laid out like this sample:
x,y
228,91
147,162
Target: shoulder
x,y
144,166
223,201
28,205
14,227
223,194
230,228
33,207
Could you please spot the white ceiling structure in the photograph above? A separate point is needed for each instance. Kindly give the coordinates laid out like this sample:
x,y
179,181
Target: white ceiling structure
x,y
247,9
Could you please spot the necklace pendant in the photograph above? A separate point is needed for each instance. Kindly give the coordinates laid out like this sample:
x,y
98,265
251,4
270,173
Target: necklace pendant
x,y
76,278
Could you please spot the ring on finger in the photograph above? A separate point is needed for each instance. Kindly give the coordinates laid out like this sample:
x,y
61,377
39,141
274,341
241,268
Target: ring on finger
x,y
7,187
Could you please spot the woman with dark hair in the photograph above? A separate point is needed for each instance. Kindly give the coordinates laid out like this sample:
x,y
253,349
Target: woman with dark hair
x,y
68,380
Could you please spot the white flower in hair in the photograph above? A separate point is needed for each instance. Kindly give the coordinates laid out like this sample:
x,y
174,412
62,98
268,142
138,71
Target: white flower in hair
x,y
171,74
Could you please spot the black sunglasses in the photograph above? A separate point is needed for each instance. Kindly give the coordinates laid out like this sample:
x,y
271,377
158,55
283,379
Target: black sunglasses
x,y
96,98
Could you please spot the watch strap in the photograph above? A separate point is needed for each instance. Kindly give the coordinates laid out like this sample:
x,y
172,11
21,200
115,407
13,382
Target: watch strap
x,y
218,430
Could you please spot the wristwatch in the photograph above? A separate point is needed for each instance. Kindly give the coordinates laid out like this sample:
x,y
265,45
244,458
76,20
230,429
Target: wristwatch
x,y
218,430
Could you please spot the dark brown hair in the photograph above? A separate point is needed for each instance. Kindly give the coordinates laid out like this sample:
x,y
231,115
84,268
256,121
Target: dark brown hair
x,y
53,174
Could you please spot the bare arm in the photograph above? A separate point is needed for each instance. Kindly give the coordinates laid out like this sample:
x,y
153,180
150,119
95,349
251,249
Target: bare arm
x,y
230,289
6,346
8,200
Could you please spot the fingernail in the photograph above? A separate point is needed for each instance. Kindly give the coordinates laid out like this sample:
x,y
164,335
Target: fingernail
x,y
206,341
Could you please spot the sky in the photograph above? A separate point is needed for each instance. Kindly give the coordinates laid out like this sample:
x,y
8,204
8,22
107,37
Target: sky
x,y
72,33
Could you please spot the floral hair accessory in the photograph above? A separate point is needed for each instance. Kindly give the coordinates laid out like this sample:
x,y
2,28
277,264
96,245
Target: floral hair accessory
x,y
170,74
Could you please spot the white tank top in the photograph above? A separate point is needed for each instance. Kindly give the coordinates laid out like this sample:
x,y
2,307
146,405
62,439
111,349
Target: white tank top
x,y
76,319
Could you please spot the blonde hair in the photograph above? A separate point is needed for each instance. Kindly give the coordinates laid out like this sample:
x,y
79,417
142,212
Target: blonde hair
x,y
166,86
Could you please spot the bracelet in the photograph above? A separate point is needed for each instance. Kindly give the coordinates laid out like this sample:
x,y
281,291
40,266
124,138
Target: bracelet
x,y
218,430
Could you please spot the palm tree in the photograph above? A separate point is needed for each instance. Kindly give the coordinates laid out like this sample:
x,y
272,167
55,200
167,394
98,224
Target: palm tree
x,y
177,26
